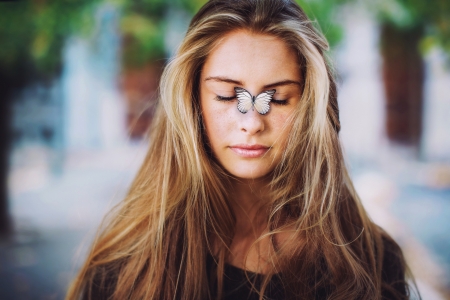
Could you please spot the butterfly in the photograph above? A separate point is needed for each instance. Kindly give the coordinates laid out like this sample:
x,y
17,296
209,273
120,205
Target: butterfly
x,y
247,101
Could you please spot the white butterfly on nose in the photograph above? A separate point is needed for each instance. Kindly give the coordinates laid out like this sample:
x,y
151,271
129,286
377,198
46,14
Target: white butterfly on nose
x,y
246,101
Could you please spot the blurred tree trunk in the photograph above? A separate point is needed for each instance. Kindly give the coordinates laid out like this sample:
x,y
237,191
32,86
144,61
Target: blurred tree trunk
x,y
5,142
11,82
403,75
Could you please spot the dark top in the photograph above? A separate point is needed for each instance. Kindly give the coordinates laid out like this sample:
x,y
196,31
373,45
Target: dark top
x,y
236,283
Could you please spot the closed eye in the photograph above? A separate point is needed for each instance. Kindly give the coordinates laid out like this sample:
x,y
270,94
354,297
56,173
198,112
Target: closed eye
x,y
222,98
279,102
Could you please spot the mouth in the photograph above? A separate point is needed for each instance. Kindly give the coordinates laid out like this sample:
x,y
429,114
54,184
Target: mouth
x,y
249,151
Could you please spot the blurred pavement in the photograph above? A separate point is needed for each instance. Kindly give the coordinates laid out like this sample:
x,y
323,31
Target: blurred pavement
x,y
56,217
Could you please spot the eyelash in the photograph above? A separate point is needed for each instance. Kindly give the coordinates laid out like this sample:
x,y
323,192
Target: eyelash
x,y
279,102
274,101
222,98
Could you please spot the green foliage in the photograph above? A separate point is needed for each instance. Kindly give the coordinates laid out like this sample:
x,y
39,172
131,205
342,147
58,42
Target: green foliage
x,y
432,16
144,24
32,33
143,38
324,13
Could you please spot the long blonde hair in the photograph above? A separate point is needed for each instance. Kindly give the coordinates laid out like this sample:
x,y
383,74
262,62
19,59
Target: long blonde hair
x,y
156,243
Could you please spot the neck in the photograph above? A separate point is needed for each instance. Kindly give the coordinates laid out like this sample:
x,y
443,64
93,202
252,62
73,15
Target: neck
x,y
248,200
249,196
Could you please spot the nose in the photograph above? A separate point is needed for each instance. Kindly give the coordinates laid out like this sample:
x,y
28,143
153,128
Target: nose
x,y
252,122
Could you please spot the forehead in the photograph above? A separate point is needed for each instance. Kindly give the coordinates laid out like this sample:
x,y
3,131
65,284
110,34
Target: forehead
x,y
252,58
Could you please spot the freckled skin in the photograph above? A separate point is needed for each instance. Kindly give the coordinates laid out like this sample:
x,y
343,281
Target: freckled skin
x,y
255,60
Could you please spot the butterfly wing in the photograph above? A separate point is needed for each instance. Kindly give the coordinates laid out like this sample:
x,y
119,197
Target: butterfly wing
x,y
244,100
262,101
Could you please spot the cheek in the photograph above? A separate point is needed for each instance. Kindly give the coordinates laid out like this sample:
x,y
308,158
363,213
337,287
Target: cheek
x,y
279,119
218,123
281,126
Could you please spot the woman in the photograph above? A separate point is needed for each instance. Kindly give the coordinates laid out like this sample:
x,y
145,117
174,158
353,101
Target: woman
x,y
244,192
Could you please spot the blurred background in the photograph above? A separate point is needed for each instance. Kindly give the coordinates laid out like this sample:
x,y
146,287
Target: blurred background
x,y
78,80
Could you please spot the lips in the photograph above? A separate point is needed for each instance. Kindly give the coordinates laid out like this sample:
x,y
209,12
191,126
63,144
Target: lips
x,y
249,151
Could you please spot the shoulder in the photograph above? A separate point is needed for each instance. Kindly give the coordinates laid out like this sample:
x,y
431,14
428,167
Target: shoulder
x,y
393,261
393,269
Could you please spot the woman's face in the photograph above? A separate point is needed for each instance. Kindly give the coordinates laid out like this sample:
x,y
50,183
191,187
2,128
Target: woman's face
x,y
249,145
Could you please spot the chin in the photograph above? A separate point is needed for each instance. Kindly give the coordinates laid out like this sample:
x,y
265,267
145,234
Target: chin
x,y
249,172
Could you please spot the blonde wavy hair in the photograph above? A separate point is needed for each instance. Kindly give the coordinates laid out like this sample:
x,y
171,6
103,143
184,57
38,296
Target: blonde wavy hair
x,y
156,242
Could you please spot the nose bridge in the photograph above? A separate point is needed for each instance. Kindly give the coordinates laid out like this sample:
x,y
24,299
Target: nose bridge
x,y
252,122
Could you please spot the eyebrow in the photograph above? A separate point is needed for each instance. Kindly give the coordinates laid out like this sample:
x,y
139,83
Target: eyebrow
x,y
267,86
